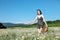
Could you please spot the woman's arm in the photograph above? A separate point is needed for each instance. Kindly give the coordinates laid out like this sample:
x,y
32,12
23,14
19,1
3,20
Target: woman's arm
x,y
44,21
33,21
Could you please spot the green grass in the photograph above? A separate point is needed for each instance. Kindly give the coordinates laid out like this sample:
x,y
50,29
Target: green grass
x,y
29,34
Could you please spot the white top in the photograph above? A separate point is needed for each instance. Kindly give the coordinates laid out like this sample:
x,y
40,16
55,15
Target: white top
x,y
38,16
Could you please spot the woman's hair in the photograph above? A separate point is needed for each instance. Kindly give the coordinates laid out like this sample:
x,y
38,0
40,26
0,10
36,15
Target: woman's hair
x,y
39,10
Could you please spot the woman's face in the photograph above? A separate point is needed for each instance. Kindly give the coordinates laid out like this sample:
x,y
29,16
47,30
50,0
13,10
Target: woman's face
x,y
38,12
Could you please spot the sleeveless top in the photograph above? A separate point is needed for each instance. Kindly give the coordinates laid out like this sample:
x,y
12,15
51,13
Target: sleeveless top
x,y
40,21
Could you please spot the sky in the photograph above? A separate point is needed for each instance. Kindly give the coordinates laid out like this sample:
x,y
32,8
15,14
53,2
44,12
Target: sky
x,y
22,11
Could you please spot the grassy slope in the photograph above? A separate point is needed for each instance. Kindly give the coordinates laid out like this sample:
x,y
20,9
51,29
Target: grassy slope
x,y
54,23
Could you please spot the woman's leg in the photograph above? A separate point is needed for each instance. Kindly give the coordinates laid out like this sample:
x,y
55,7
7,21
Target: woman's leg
x,y
40,30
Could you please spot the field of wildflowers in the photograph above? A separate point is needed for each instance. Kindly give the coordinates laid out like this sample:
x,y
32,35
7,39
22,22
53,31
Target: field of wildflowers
x,y
29,34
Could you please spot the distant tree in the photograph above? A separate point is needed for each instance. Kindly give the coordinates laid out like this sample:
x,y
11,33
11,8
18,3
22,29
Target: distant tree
x,y
2,26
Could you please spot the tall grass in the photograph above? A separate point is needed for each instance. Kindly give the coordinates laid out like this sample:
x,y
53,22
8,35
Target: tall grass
x,y
29,34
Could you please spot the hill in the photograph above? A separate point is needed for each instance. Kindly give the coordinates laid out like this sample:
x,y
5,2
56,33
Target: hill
x,y
50,24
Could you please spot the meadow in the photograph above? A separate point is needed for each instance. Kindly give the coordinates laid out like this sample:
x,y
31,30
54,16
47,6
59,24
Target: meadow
x,y
19,33
29,32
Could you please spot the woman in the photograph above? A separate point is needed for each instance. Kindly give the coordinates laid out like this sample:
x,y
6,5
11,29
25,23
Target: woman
x,y
40,23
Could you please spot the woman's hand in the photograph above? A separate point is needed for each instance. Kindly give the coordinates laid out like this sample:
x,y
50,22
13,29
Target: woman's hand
x,y
46,28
